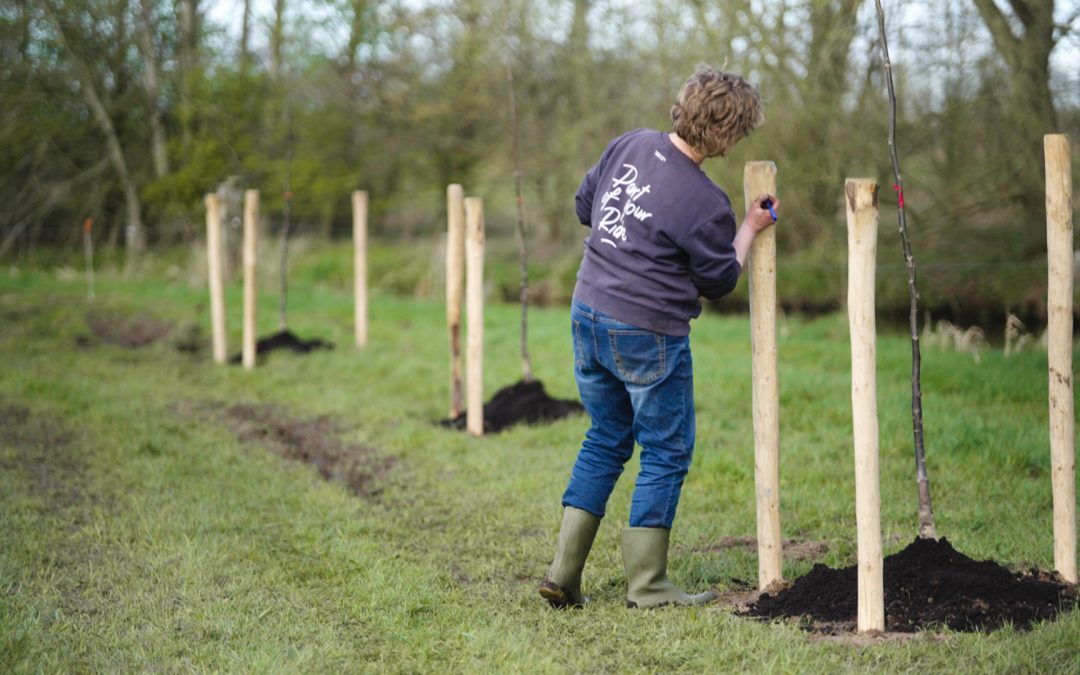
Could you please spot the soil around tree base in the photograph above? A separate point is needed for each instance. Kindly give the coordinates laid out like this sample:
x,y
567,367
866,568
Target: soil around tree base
x,y
521,402
928,585
287,340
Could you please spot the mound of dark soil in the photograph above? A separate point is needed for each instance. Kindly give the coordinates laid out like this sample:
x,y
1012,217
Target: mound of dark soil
x,y
520,402
927,585
286,340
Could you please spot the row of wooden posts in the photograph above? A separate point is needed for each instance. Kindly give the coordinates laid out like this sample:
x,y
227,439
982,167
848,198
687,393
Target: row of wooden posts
x,y
215,272
465,259
862,220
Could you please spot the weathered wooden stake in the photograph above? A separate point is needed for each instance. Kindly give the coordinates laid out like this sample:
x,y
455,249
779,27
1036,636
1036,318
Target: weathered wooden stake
x,y
474,308
88,254
1059,303
455,288
360,216
760,178
862,219
251,248
213,263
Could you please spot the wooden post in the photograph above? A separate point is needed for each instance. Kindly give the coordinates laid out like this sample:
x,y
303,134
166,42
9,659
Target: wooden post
x,y
88,254
760,178
474,308
1059,303
862,219
251,248
213,263
455,282
360,216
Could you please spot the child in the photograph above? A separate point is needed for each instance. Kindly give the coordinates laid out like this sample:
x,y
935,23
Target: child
x,y
662,234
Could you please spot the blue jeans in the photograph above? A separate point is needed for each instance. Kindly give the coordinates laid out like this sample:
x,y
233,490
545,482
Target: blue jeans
x,y
636,385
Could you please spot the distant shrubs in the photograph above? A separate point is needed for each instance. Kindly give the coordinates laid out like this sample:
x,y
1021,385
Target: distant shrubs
x,y
946,335
1017,338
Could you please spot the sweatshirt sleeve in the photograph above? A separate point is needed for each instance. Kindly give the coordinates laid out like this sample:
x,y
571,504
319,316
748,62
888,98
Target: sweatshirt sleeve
x,y
583,200
714,267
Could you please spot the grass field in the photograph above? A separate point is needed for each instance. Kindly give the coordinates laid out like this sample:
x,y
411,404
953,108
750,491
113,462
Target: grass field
x,y
146,527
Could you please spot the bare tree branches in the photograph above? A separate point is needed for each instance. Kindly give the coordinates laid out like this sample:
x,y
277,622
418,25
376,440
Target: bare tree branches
x,y
135,236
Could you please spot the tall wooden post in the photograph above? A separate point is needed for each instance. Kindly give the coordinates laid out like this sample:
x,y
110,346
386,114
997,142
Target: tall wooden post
x,y
862,220
251,254
213,262
474,308
455,288
760,178
360,217
1059,303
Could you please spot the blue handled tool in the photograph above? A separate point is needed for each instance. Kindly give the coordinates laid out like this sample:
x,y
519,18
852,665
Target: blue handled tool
x,y
767,204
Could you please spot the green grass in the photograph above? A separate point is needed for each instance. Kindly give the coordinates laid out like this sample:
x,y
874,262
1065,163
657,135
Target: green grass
x,y
140,533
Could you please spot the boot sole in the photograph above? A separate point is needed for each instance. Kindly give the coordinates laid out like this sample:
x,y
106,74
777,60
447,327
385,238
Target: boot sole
x,y
556,596
630,604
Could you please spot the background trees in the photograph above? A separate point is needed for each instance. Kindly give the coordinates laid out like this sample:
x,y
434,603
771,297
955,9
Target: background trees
x,y
130,110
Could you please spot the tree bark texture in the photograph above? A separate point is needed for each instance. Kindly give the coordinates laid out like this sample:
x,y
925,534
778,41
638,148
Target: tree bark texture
x,y
152,87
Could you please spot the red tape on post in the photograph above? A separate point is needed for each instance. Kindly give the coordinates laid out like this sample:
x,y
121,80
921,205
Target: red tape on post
x,y
899,194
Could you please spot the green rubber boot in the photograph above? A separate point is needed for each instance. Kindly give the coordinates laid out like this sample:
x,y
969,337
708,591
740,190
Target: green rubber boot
x,y
645,552
562,585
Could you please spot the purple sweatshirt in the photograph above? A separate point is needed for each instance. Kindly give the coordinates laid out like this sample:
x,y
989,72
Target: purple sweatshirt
x,y
661,236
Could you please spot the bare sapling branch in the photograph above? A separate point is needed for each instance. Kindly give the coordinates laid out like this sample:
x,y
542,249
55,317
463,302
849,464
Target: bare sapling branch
x,y
526,363
926,510
283,260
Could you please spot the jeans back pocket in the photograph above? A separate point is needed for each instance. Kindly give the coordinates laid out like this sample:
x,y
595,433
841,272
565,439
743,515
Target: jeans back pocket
x,y
579,346
640,355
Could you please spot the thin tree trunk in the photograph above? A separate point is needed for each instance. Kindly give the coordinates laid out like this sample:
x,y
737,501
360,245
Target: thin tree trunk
x,y
283,261
245,35
356,33
926,509
1026,51
25,16
526,362
188,44
277,32
119,48
579,66
152,86
833,28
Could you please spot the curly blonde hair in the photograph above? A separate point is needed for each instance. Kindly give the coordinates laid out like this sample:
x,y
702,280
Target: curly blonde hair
x,y
715,110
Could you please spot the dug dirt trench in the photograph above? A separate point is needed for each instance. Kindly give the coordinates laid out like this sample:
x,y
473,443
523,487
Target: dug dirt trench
x,y
315,441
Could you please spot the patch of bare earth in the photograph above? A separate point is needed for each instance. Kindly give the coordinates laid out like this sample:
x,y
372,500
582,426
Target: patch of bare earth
x,y
798,549
315,441
41,448
126,330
